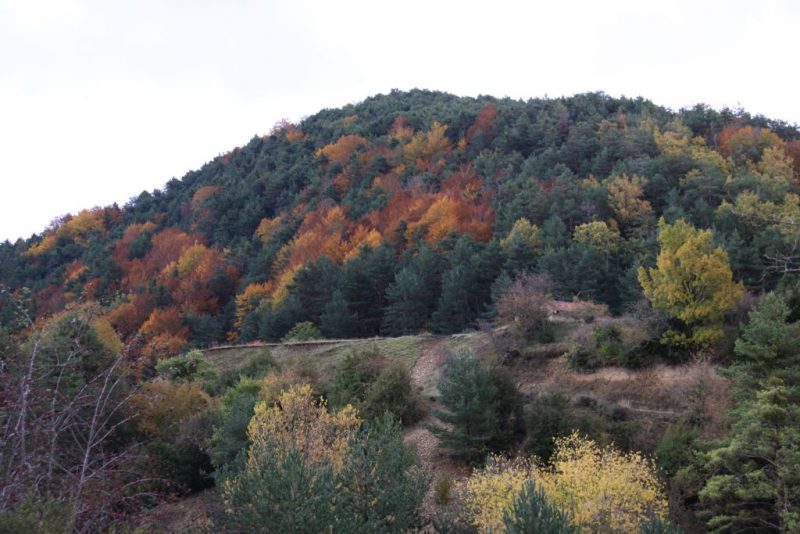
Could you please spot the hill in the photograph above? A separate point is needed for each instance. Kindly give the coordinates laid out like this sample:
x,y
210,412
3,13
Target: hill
x,y
582,311
358,211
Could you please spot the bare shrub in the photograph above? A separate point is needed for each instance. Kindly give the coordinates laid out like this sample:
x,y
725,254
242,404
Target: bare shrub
x,y
525,307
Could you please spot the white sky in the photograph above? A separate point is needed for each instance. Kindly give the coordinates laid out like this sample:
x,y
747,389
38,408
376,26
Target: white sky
x,y
100,100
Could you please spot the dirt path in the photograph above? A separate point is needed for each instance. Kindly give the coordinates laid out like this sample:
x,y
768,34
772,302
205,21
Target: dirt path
x,y
425,371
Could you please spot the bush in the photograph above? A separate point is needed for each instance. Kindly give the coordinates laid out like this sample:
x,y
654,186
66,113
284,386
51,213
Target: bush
x,y
278,494
675,448
163,408
548,417
229,439
606,346
603,489
608,340
274,384
353,377
392,392
160,405
581,358
189,367
184,463
256,367
305,331
489,492
525,307
36,514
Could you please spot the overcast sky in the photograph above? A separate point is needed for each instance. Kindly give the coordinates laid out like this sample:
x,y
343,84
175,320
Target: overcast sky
x,y
100,100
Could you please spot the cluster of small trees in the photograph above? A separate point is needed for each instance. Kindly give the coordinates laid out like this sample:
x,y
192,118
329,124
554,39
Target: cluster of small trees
x,y
67,458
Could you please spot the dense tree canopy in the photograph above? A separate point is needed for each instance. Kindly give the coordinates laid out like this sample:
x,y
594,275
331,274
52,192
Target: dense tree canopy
x,y
397,214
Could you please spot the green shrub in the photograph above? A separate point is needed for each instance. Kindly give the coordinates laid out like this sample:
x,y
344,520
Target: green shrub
x,y
36,514
675,447
608,340
580,358
353,377
229,439
305,331
278,494
548,417
188,367
183,463
257,366
392,392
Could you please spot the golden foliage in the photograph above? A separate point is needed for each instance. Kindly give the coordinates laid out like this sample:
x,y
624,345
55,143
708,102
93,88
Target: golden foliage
x,y
47,243
746,142
603,489
85,222
164,345
427,144
341,150
301,422
77,228
783,216
74,271
400,129
248,300
490,492
692,281
274,384
598,235
625,200
525,232
164,321
107,335
161,404
282,283
774,173
267,228
190,259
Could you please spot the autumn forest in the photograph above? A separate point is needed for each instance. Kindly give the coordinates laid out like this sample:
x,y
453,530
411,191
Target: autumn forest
x,y
589,233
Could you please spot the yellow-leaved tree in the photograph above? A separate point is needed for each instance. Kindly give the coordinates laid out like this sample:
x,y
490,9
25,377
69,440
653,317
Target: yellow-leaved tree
x,y
603,489
301,422
625,198
692,281
490,492
522,245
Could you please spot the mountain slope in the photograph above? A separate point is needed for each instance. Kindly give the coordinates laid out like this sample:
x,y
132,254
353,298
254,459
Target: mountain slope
x,y
399,214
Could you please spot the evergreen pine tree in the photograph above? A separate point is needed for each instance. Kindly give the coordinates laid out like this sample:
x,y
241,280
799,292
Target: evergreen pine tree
x,y
336,321
532,513
481,408
406,312
755,482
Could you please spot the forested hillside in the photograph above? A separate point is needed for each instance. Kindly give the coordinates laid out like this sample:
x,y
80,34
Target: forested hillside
x,y
401,213
617,278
